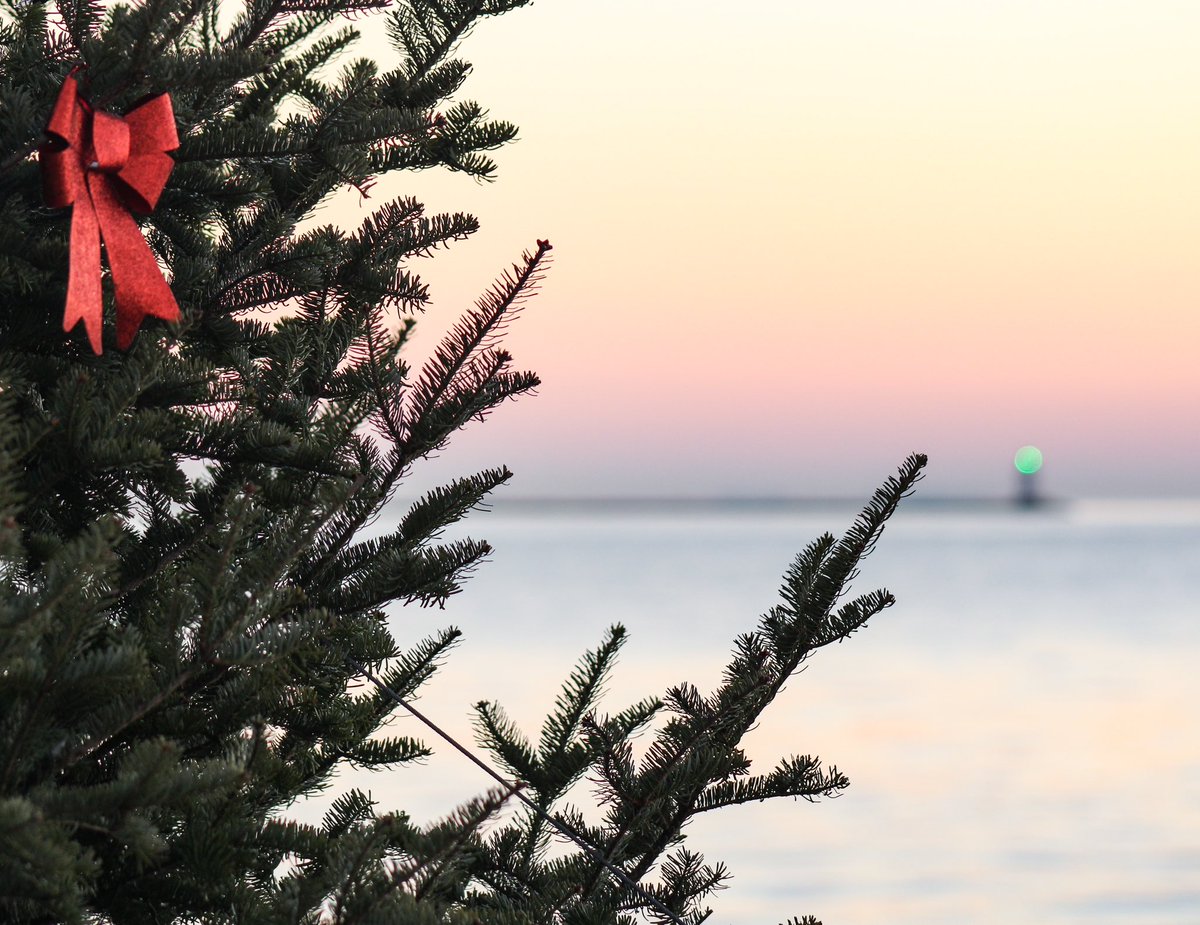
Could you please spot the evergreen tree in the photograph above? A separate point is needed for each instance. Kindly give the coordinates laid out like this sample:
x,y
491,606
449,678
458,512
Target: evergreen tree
x,y
188,609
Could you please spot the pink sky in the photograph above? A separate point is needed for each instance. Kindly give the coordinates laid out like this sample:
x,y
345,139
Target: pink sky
x,y
795,241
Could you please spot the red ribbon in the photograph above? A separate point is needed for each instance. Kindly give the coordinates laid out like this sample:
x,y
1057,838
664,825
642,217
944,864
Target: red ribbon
x,y
106,167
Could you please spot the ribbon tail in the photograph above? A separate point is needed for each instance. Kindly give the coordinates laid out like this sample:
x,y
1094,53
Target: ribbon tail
x,y
84,301
140,289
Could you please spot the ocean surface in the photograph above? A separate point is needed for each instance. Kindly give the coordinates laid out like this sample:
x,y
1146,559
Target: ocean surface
x,y
1021,731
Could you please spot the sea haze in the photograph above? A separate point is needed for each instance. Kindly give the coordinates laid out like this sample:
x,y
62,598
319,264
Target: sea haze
x,y
1020,730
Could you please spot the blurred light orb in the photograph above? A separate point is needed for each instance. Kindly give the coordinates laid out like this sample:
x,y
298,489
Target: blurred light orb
x,y
1028,460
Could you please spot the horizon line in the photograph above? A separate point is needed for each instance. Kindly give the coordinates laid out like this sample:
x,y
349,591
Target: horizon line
x,y
762,500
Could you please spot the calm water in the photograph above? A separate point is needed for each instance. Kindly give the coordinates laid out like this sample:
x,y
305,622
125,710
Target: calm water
x,y
1020,731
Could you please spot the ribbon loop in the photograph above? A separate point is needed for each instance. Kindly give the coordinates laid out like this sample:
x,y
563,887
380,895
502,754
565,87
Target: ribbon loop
x,y
104,166
110,142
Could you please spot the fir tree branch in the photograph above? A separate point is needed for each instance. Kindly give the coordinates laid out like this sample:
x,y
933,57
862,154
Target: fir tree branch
x,y
150,13
468,343
454,30
491,804
836,571
19,156
63,643
470,334
385,404
207,649
571,832
257,17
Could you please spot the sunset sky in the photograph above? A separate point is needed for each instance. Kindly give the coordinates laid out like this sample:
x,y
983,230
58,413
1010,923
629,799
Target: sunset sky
x,y
794,241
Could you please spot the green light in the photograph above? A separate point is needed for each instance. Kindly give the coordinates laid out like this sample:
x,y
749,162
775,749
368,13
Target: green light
x,y
1028,460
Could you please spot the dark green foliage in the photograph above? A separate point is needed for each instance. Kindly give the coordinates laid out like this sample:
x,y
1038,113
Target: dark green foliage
x,y
693,764
187,599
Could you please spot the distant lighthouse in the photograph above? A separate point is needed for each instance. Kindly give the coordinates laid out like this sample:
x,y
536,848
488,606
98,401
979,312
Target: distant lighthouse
x,y
1028,460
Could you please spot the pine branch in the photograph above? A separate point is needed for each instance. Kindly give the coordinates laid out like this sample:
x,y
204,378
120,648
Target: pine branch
x,y
465,365
757,674
564,827
477,330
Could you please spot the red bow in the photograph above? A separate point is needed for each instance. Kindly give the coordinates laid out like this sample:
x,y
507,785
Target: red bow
x,y
106,165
